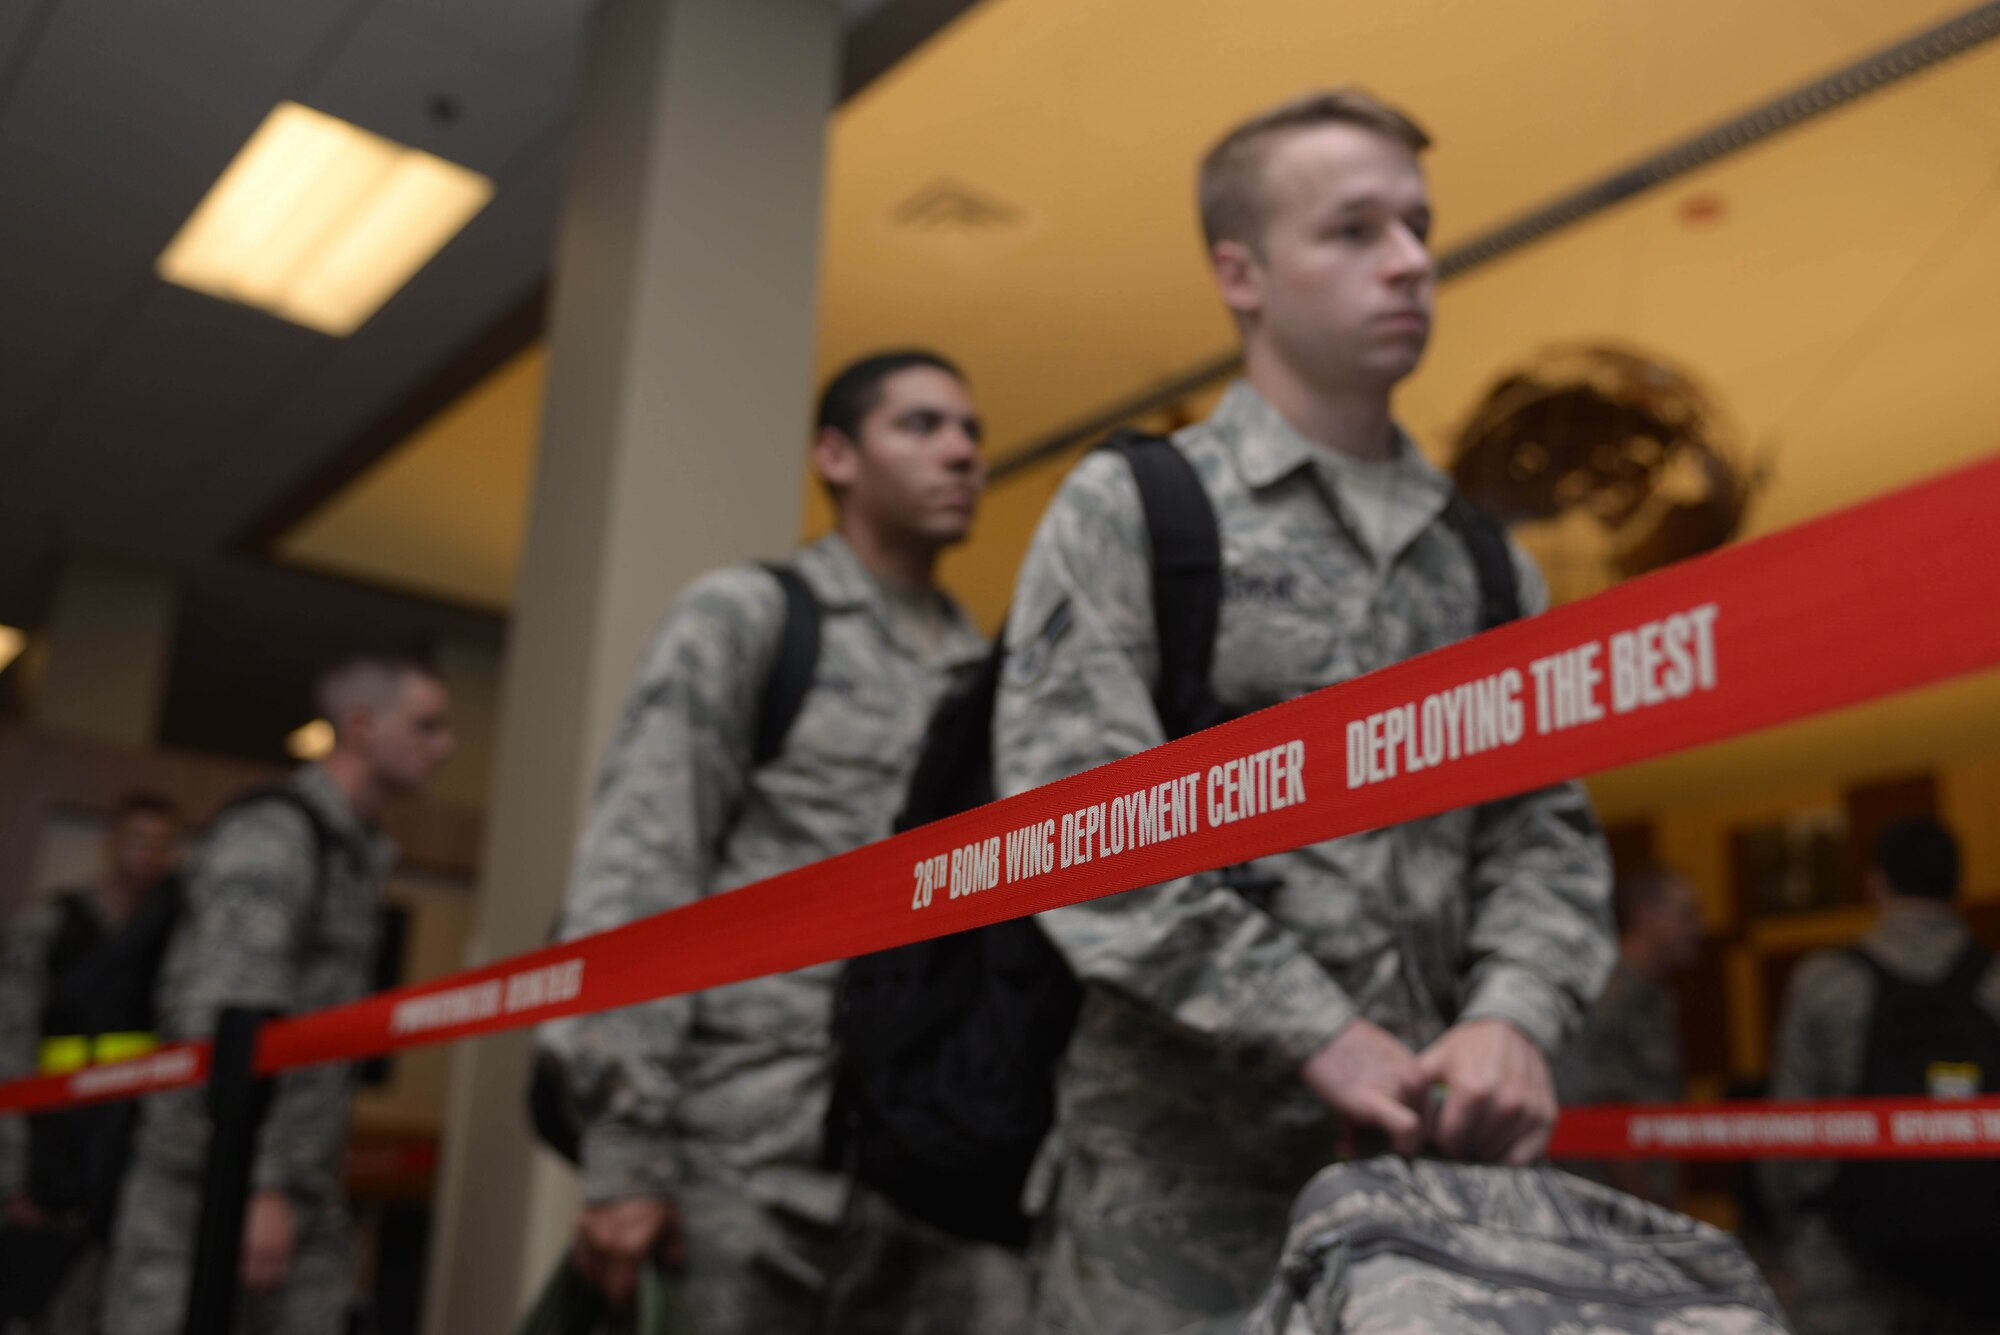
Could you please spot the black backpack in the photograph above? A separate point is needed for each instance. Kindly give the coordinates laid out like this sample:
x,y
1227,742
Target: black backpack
x,y
550,1111
1930,1222
948,1048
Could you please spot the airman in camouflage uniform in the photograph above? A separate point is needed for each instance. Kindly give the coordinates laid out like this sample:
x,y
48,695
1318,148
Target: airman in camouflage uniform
x,y
278,916
257,932
703,1114
140,850
1629,1050
1461,948
1818,1053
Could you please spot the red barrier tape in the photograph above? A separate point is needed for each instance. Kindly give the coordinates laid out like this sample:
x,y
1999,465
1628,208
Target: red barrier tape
x,y
1832,1129
164,1068
1892,594
390,1162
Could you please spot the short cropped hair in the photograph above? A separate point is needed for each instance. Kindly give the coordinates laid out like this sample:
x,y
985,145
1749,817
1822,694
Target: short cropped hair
x,y
144,802
1231,184
1919,857
857,390
369,678
1640,889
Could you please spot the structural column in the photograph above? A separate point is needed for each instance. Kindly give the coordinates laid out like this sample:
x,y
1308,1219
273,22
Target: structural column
x,y
677,413
110,639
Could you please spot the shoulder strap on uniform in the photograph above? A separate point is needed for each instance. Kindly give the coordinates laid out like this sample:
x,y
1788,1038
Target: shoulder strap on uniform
x,y
1888,983
1499,588
1187,577
326,840
792,671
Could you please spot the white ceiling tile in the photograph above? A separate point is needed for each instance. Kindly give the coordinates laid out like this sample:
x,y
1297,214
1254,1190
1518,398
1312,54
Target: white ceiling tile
x,y
187,372
533,33
391,77
242,46
18,23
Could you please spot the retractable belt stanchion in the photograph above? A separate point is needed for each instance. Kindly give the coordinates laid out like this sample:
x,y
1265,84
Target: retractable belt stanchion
x,y
237,1100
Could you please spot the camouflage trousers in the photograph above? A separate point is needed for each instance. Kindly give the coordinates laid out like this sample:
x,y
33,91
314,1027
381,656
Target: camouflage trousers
x,y
753,1267
1132,1247
152,1256
900,1276
1833,1294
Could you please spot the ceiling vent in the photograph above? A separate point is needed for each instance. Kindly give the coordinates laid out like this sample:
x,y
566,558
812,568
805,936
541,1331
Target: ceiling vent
x,y
950,208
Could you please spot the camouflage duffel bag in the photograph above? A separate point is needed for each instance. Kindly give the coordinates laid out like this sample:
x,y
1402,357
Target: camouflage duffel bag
x,y
1429,1248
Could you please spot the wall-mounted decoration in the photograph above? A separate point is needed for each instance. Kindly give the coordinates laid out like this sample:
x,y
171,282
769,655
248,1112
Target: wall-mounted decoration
x,y
1607,463
1794,865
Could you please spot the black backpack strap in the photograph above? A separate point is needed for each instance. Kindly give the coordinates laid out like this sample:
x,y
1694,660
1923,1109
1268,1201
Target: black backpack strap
x,y
1492,560
1187,577
791,677
1889,983
327,841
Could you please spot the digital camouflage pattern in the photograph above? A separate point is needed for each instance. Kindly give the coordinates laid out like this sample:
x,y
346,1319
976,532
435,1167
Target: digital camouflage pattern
x,y
1426,1248
719,1098
263,927
1202,1000
898,1275
24,989
149,1285
1818,1053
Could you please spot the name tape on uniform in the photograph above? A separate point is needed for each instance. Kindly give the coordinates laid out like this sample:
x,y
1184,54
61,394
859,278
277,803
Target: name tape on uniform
x,y
1841,610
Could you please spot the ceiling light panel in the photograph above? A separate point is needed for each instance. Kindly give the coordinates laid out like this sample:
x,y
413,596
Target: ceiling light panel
x,y
321,222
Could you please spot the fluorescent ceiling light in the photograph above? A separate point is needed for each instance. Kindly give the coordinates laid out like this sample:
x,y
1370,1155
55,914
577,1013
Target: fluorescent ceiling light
x,y
11,643
310,741
320,222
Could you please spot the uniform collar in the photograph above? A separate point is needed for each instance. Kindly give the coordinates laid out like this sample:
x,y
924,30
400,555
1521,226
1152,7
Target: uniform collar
x,y
1910,918
331,801
838,579
843,584
1267,449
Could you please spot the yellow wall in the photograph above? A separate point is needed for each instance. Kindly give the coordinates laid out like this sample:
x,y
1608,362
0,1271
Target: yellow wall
x,y
1971,802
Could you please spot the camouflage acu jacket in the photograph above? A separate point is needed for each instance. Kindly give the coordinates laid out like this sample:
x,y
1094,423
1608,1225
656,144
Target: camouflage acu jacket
x,y
1203,999
264,925
24,988
1629,1051
733,1084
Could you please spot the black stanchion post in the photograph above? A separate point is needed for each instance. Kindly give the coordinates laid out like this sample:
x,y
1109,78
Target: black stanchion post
x,y
237,1099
